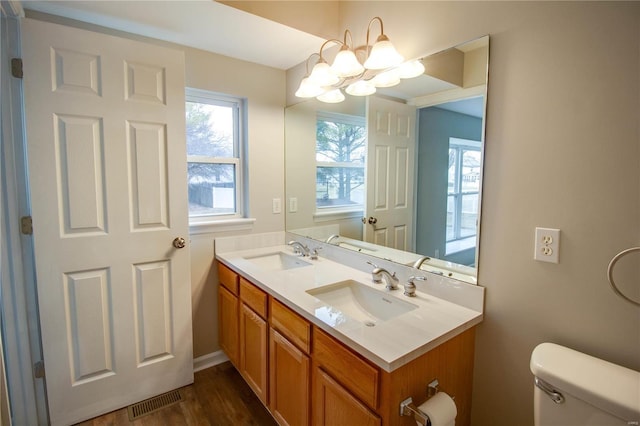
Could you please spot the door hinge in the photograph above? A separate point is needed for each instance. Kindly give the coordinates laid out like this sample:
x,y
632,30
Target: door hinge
x,y
16,67
26,225
38,369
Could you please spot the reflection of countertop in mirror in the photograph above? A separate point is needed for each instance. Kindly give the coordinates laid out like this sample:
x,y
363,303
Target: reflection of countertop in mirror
x,y
389,343
436,266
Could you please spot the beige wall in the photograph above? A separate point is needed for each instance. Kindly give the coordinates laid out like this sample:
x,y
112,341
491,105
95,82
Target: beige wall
x,y
562,151
264,89
314,17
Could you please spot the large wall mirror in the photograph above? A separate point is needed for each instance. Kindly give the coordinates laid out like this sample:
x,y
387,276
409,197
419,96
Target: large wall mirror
x,y
397,174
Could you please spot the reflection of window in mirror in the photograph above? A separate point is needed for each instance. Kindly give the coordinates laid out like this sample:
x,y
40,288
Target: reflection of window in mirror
x,y
341,143
463,186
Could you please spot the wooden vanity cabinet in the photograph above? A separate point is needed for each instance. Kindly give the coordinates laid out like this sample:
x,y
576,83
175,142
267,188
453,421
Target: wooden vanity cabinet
x,y
345,386
254,338
334,405
228,314
306,377
289,366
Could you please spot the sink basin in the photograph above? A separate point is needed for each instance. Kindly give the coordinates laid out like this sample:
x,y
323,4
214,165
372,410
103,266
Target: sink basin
x,y
279,261
357,301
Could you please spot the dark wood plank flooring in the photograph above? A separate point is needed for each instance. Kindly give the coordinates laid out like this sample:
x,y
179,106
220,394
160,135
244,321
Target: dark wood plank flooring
x,y
218,397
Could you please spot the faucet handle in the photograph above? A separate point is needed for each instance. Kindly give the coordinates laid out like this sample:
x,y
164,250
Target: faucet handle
x,y
314,253
410,286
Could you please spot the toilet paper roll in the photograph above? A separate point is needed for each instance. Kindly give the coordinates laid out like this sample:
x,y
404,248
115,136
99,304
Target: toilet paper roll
x,y
441,409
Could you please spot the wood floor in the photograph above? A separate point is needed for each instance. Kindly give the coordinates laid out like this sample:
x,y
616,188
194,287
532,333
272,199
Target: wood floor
x,y
218,396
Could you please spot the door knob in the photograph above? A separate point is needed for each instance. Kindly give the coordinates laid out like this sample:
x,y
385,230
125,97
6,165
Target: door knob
x,y
371,220
179,242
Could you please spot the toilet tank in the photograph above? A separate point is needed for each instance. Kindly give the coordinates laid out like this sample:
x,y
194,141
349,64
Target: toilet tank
x,y
591,391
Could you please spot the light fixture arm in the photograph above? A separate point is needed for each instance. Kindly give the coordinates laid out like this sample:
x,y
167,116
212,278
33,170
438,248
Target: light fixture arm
x,y
306,64
325,43
369,30
344,43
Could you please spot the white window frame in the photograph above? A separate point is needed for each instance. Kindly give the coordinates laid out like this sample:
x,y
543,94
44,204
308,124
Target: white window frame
x,y
329,211
237,220
458,243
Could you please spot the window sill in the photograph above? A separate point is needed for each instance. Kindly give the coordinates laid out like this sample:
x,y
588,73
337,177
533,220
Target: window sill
x,y
209,226
460,245
326,216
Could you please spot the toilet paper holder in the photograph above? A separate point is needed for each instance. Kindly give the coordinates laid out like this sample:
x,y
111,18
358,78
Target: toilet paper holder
x,y
408,408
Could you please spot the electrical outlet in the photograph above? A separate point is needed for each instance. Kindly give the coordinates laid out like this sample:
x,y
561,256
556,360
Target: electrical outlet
x,y
547,245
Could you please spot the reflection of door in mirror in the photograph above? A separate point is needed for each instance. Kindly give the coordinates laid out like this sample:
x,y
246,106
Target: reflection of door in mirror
x,y
390,173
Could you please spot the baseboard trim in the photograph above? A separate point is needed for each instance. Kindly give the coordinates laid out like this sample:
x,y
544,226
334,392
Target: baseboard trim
x,y
209,360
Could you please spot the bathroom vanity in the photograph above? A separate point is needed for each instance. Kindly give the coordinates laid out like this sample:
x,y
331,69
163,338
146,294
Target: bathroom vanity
x,y
289,326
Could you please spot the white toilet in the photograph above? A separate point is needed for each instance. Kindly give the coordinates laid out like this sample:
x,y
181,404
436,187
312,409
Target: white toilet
x,y
572,388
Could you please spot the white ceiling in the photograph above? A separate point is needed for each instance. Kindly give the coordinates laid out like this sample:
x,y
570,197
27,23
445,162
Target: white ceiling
x,y
221,29
203,24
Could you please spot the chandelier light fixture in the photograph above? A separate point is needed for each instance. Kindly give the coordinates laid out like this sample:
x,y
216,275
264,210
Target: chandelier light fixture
x,y
381,66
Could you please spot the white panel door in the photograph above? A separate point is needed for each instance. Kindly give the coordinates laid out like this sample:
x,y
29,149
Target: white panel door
x,y
107,170
390,173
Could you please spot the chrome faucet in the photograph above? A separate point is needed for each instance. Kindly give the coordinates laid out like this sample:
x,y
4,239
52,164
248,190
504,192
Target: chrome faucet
x,y
299,248
410,286
379,274
331,238
418,263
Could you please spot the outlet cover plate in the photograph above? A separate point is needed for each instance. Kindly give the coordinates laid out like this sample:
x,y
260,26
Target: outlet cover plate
x,y
547,245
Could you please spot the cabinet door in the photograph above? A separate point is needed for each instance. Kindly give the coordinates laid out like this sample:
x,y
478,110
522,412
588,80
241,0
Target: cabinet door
x,y
288,382
228,324
253,351
333,405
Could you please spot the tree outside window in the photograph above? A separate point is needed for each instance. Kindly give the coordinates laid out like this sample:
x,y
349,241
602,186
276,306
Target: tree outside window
x,y
213,154
341,143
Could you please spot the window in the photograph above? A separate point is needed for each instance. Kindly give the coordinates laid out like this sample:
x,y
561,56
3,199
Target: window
x,y
341,144
462,194
214,154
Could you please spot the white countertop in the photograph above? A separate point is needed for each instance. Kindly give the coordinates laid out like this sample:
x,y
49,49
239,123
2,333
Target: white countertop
x,y
389,344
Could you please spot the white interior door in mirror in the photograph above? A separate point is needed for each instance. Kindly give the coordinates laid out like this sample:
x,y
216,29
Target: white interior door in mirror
x,y
390,173
107,171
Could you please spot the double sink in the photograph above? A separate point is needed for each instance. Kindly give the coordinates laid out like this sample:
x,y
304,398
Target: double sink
x,y
343,300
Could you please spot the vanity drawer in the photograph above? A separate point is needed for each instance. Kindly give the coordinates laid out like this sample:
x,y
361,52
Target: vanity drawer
x,y
253,297
291,325
354,373
228,278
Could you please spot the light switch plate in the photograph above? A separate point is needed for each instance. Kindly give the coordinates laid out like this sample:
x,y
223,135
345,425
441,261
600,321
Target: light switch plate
x,y
277,206
293,205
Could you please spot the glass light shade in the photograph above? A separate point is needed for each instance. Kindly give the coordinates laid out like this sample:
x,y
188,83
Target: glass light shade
x,y
411,69
332,96
383,55
387,78
321,75
308,90
346,64
361,88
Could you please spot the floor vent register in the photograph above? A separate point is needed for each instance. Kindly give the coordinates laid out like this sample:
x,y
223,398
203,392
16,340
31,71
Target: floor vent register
x,y
154,404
